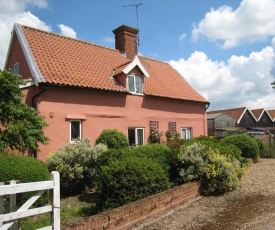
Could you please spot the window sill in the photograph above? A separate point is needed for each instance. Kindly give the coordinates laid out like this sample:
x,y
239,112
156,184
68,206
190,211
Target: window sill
x,y
139,94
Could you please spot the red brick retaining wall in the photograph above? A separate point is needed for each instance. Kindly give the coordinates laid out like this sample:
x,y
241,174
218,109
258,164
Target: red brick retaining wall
x,y
128,215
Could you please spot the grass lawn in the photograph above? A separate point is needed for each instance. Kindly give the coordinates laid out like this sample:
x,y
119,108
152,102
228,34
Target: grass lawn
x,y
73,209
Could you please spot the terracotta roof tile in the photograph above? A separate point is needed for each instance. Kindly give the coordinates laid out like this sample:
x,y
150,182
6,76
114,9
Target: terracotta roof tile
x,y
271,113
164,81
235,112
66,61
257,113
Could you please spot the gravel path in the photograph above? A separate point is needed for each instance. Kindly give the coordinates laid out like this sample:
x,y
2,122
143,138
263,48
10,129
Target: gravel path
x,y
251,206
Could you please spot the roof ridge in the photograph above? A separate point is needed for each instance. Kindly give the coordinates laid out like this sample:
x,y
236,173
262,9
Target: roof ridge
x,y
152,59
227,109
67,37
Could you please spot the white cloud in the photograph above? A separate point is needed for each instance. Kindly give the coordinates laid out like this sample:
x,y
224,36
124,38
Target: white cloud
x,y
14,11
67,31
253,21
18,6
242,81
272,71
182,37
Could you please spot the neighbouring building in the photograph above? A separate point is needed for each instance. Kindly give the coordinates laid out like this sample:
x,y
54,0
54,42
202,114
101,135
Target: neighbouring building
x,y
243,116
219,124
82,88
263,118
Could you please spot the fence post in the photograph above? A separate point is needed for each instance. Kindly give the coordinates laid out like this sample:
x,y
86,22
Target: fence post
x,y
12,207
1,204
56,200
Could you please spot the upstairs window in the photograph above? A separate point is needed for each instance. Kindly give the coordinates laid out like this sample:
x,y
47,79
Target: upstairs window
x,y
135,84
15,69
75,130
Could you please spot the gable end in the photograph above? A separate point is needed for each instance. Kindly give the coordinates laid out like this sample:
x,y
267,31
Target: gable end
x,y
28,54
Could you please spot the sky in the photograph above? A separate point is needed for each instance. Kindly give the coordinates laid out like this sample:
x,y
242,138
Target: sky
x,y
224,48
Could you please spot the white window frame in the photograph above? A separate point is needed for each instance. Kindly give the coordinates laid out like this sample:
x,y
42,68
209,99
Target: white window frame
x,y
14,68
186,133
80,130
135,84
136,135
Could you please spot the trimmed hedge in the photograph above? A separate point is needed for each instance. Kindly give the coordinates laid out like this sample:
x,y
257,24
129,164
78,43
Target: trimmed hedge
x,y
113,139
25,169
157,152
128,179
248,145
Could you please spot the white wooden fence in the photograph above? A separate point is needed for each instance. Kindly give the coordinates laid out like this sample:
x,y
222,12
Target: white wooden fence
x,y
7,220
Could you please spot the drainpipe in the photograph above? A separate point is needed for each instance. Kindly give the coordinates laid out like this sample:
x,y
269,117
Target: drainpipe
x,y
36,96
204,126
33,98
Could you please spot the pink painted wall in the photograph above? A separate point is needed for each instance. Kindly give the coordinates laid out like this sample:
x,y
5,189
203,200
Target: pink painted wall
x,y
104,110
112,111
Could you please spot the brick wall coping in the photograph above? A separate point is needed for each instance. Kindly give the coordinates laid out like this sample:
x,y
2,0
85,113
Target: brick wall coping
x,y
126,216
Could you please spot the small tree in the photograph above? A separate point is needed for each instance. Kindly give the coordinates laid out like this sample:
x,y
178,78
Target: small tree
x,y
21,127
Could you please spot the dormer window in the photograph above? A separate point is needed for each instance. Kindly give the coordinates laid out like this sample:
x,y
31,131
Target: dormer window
x,y
135,84
15,69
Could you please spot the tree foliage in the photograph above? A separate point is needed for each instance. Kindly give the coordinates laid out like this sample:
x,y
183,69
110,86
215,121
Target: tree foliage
x,y
21,127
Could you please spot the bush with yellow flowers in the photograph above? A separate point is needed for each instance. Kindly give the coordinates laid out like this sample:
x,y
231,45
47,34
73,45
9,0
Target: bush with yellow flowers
x,y
218,173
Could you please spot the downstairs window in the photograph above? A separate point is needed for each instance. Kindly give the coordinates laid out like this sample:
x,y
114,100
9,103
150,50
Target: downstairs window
x,y
136,136
186,133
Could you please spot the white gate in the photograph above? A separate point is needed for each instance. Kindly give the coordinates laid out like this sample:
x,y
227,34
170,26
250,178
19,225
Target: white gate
x,y
7,220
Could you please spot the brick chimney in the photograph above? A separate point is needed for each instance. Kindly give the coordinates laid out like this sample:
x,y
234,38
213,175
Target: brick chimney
x,y
126,40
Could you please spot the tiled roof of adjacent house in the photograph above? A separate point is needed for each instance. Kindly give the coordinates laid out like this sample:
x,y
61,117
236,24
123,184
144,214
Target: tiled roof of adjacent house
x,y
66,61
257,113
271,113
236,113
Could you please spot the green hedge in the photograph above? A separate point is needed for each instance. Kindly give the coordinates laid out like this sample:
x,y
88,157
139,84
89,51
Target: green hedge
x,y
157,152
113,139
128,179
25,169
248,145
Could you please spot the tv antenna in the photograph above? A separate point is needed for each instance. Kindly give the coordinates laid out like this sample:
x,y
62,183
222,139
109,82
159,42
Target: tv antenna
x,y
135,5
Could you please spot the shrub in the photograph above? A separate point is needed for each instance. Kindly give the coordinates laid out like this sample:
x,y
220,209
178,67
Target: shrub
x,y
112,155
270,152
113,139
231,150
24,169
171,136
128,179
76,164
263,148
218,173
155,136
248,145
157,152
206,138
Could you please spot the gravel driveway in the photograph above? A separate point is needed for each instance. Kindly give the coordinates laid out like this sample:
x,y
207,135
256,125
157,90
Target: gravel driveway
x,y
251,206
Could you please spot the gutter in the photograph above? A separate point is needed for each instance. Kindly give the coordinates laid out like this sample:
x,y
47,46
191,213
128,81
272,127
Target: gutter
x,y
207,105
36,96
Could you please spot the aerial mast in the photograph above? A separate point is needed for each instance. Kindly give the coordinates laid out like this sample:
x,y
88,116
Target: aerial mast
x,y
136,5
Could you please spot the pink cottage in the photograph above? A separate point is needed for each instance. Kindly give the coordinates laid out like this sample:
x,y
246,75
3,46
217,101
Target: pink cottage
x,y
83,88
